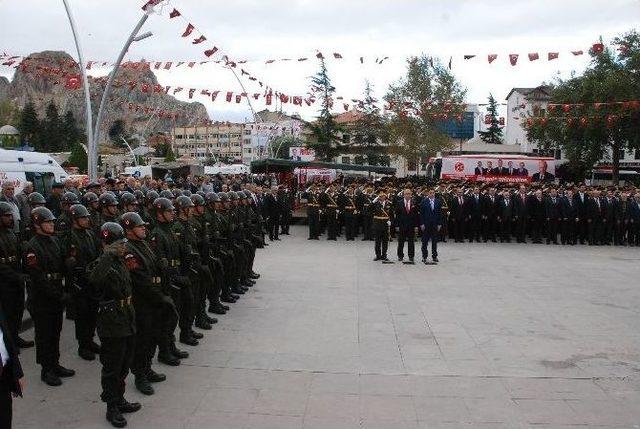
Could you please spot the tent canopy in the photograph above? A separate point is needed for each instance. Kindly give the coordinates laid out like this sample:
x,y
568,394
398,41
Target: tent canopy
x,y
272,165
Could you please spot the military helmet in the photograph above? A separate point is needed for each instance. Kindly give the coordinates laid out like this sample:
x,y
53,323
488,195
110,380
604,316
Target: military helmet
x,y
197,200
139,195
40,215
232,195
176,192
5,208
89,198
111,232
183,202
69,198
167,194
163,204
108,199
212,197
224,197
152,196
128,198
201,193
78,210
36,198
131,220
187,193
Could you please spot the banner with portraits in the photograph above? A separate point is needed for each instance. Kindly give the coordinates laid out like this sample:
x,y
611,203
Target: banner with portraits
x,y
499,168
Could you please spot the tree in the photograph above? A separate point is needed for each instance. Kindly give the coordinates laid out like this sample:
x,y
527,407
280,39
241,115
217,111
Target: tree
x,y
29,124
587,133
419,102
494,132
78,158
50,138
117,131
371,134
9,114
169,155
70,132
324,140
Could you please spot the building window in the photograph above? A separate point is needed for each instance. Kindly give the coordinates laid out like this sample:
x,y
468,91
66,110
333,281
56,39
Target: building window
x,y
637,154
346,160
346,138
621,153
558,154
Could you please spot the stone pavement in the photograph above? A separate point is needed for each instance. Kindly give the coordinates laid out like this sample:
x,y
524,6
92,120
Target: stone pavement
x,y
496,336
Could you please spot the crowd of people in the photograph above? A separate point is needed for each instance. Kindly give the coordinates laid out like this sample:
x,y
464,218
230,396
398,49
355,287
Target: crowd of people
x,y
143,265
441,211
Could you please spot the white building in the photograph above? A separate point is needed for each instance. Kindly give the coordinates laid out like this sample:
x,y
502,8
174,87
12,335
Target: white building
x,y
521,103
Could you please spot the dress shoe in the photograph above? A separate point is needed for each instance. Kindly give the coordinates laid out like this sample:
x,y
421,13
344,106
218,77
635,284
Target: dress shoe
x,y
168,359
114,416
50,378
227,298
180,354
377,258
143,386
63,372
128,407
400,258
188,340
224,307
435,260
196,335
24,344
155,377
86,354
93,347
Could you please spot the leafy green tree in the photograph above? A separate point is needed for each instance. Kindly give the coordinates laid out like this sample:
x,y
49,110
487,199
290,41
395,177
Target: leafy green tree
x,y
494,132
29,124
589,133
169,155
9,114
50,138
428,94
371,134
324,139
78,158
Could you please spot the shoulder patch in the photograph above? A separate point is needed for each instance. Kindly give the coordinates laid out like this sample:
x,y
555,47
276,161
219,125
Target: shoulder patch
x,y
131,262
31,259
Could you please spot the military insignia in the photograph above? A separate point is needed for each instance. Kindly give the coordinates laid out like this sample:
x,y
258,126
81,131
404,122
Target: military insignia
x,y
131,262
31,259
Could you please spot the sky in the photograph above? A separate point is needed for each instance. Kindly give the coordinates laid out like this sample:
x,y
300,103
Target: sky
x,y
258,30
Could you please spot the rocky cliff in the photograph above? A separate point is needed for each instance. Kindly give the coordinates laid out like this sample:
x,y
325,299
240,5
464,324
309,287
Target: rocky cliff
x,y
54,76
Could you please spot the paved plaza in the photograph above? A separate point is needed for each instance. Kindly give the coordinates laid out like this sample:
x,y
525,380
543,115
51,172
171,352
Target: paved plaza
x,y
495,336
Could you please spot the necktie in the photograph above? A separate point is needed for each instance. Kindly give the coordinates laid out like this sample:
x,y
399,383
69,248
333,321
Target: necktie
x,y
431,205
406,205
460,200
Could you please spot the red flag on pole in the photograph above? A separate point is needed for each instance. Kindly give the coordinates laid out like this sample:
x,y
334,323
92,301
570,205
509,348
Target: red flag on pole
x,y
513,59
174,13
229,96
188,30
598,48
492,57
552,55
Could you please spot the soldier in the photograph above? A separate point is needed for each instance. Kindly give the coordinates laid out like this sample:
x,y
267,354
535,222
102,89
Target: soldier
x,y
381,225
155,311
147,210
116,322
108,208
330,208
313,212
45,266
12,284
129,203
63,222
81,248
167,246
90,201
350,213
35,199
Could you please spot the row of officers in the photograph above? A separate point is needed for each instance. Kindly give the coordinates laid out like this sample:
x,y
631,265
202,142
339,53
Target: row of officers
x,y
555,215
139,271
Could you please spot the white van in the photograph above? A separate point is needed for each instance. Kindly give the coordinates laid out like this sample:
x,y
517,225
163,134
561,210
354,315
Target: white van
x,y
39,168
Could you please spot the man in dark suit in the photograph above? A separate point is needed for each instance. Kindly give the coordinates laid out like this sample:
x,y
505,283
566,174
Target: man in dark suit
x,y
510,170
595,218
272,210
430,224
505,216
520,214
406,219
500,170
521,171
474,214
570,218
458,216
581,200
490,208
553,211
479,171
11,376
542,175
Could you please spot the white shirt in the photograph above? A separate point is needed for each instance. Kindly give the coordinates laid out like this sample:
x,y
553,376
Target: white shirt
x,y
4,353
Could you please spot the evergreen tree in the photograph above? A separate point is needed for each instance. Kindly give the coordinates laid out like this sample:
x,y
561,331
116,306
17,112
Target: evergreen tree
x,y
169,156
78,158
494,132
29,124
371,132
50,137
71,134
324,140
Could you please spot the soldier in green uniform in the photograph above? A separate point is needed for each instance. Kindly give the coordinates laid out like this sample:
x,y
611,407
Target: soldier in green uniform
x,y
90,201
116,322
12,284
108,208
226,250
129,203
45,266
155,311
232,236
81,248
35,199
381,223
63,222
147,210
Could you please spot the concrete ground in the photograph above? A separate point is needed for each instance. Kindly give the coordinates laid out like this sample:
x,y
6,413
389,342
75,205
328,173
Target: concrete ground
x,y
495,336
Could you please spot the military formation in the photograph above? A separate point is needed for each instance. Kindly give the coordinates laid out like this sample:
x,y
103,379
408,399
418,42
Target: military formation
x,y
142,271
552,214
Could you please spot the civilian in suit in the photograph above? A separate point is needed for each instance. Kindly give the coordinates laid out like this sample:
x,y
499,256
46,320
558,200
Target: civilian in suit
x,y
553,209
479,170
11,376
520,214
458,216
490,207
504,216
406,220
570,218
581,199
272,210
430,224
595,218
537,213
621,232
285,200
521,170
610,217
474,214
634,220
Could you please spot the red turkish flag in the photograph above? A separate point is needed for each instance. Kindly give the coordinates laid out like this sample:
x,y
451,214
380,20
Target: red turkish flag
x,y
174,13
188,30
552,56
319,55
191,91
256,96
269,98
211,51
337,55
533,56
566,108
492,57
73,82
157,66
576,53
597,48
513,59
214,95
199,40
167,65
145,87
229,96
238,98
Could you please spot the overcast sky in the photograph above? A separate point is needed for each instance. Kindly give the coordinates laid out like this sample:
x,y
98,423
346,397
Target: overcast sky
x,y
257,30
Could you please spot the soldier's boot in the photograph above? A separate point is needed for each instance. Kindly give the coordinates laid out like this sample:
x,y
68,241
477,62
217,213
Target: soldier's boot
x,y
143,386
114,416
85,353
128,407
218,308
50,378
211,320
186,338
155,377
229,298
168,358
180,354
254,275
202,323
61,371
196,335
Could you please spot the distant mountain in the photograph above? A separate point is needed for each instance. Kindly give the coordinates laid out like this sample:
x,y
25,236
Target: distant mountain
x,y
44,77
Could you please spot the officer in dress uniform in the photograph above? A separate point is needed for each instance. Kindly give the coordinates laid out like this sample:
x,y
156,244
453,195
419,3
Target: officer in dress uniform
x,y
45,266
81,247
381,224
116,322
313,212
